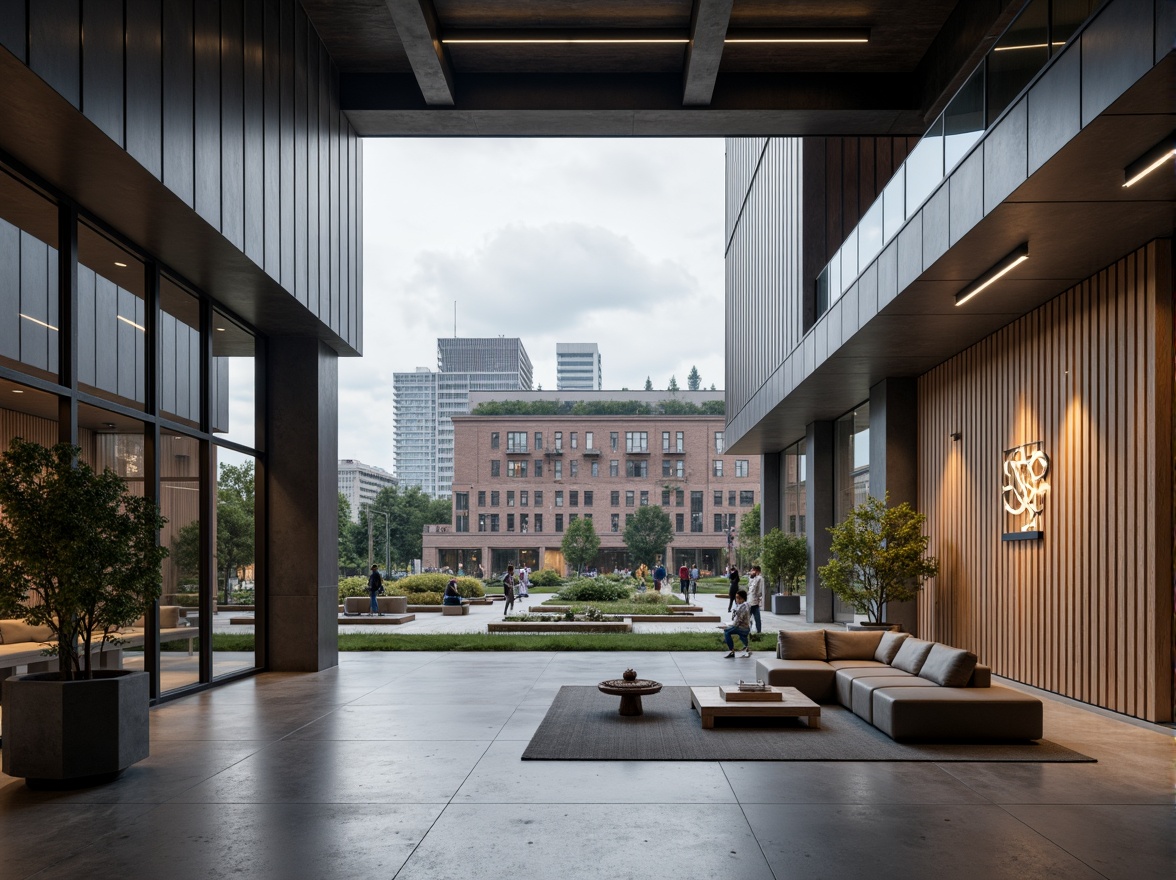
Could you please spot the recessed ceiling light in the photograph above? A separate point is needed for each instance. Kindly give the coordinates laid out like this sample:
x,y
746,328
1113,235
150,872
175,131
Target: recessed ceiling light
x,y
1150,161
17,391
1006,265
120,265
220,329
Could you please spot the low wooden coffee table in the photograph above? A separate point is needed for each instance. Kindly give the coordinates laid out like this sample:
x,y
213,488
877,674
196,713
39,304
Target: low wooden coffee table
x,y
792,704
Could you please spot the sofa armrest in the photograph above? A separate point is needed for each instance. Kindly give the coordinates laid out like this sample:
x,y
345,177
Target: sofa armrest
x,y
981,677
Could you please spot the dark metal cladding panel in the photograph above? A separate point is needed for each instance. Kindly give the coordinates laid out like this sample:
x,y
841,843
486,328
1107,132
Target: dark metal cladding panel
x,y
232,89
85,324
106,334
1005,159
301,185
337,313
9,281
286,143
254,132
14,28
935,226
271,70
1117,50
102,66
55,46
207,115
178,158
144,89
313,242
1055,109
322,120
966,202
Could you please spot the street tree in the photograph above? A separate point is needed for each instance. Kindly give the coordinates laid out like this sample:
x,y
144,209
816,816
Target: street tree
x,y
785,561
580,543
648,384
647,534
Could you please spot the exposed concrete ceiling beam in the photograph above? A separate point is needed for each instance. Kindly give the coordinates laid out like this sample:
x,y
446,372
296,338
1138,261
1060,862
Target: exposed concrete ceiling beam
x,y
704,52
416,23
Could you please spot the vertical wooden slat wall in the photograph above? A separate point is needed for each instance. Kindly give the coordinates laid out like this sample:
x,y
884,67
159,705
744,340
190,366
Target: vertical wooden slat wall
x,y
1087,611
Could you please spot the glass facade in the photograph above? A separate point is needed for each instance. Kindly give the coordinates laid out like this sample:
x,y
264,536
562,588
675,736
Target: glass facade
x,y
851,474
183,433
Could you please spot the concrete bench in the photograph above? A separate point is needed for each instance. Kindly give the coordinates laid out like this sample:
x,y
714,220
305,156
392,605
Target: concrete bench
x,y
455,610
386,604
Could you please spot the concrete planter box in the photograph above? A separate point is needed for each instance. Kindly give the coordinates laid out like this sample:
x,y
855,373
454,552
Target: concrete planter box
x,y
785,604
559,626
386,604
64,734
674,618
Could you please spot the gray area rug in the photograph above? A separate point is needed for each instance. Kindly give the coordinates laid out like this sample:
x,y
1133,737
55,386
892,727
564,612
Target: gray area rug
x,y
583,725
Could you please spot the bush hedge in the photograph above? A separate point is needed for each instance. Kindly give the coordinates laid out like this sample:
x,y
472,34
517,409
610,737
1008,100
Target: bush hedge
x,y
467,587
546,577
593,590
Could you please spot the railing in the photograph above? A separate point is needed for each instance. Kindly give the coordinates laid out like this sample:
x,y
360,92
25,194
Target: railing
x,y
1041,30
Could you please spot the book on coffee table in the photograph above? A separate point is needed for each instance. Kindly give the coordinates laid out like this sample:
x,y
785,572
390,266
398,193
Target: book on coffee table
x,y
732,694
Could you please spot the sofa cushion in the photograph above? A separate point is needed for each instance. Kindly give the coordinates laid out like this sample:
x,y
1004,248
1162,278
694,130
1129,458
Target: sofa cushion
x,y
14,632
862,690
851,645
911,655
889,645
950,667
940,713
844,679
813,678
801,645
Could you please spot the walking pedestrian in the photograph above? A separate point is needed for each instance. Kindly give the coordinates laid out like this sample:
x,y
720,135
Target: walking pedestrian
x,y
524,583
755,596
659,576
375,587
508,585
733,576
684,581
694,580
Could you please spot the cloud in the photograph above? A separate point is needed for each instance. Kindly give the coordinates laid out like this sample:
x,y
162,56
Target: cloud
x,y
527,280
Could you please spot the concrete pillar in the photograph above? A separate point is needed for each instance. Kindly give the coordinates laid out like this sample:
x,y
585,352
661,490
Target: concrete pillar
x,y
894,434
771,492
819,498
302,489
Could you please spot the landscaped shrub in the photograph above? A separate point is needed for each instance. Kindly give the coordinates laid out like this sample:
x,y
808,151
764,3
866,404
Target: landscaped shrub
x,y
650,599
424,598
593,590
547,577
352,586
467,587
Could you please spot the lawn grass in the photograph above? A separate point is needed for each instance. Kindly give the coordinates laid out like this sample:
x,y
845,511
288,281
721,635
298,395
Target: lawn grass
x,y
677,641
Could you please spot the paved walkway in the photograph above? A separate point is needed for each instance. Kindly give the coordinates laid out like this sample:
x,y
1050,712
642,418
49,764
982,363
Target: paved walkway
x,y
407,765
480,615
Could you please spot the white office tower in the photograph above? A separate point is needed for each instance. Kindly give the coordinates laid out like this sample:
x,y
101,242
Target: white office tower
x,y
577,366
424,402
360,483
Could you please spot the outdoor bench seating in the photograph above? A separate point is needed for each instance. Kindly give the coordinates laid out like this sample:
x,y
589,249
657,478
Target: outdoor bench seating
x,y
386,604
456,610
908,688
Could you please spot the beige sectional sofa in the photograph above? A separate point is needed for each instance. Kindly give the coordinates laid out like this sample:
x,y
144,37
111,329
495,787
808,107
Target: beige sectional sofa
x,y
23,645
908,688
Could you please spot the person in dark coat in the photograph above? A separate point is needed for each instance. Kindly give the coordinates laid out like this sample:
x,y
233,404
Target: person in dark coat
x,y
375,587
508,585
733,575
452,596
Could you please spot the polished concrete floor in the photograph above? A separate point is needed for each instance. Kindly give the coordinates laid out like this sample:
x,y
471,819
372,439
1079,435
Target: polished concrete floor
x,y
407,765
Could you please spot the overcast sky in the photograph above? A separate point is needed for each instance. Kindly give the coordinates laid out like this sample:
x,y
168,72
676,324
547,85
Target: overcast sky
x,y
617,242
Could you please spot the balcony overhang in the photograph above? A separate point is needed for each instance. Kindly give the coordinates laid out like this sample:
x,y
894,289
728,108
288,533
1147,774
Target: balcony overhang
x,y
900,318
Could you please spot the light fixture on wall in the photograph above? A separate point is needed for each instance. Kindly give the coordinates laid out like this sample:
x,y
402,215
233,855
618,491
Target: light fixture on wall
x,y
1154,158
955,435
1006,265
614,36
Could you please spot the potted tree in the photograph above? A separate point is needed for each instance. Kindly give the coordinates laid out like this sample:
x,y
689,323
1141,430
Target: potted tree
x,y
879,555
785,563
80,557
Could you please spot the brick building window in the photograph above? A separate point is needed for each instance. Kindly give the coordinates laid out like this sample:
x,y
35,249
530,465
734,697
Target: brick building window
x,y
718,442
588,498
614,498
679,522
741,468
559,522
612,440
614,468
516,441
538,522
494,522
718,497
494,496
559,497
516,468
746,498
636,441
644,498
557,470
615,522
481,498
510,499
538,467
538,497
595,468
630,497
573,498
575,469
493,439
718,467
636,468
495,468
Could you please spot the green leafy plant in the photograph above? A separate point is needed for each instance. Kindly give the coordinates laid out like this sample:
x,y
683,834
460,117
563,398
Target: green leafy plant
x,y
580,543
546,577
749,536
879,556
467,587
352,586
647,534
593,590
79,553
785,561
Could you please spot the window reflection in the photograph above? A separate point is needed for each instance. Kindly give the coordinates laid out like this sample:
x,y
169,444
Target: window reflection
x,y
234,543
112,323
1017,56
924,167
233,409
179,501
28,280
963,120
179,353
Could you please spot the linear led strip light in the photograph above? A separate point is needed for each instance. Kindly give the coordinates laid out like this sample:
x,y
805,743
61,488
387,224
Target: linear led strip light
x,y
1006,265
1150,161
543,36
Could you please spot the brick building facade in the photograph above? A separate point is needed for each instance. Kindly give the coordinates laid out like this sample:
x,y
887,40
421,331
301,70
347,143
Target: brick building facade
x,y
520,480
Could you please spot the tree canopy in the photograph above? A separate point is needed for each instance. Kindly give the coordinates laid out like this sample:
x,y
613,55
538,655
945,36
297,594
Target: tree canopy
x,y
694,381
409,511
785,560
647,534
668,407
749,535
648,384
580,543
234,529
